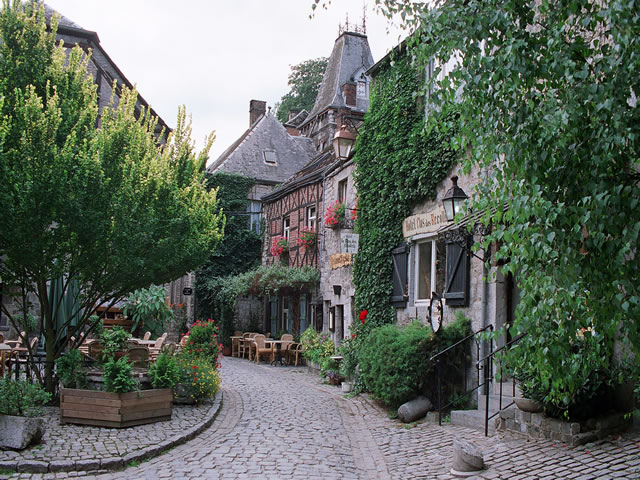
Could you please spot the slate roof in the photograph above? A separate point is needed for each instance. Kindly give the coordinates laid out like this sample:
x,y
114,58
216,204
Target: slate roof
x,y
350,57
246,155
296,121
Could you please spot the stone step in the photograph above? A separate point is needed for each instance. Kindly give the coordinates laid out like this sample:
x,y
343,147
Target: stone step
x,y
473,419
494,402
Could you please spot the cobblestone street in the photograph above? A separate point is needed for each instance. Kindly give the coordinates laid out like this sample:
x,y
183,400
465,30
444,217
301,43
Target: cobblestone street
x,y
284,423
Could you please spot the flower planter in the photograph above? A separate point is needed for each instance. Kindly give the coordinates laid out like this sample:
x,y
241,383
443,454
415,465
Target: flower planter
x,y
117,410
17,433
346,387
528,405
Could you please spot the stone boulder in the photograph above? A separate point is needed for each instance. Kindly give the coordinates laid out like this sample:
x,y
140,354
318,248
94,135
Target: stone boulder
x,y
466,458
414,409
17,433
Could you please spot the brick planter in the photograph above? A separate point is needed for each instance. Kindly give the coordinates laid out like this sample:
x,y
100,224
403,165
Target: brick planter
x,y
117,410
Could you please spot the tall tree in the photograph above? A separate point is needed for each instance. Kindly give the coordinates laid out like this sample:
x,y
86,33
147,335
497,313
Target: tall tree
x,y
550,104
110,209
304,80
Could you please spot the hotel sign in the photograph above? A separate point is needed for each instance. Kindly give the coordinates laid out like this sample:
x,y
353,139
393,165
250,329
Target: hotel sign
x,y
429,222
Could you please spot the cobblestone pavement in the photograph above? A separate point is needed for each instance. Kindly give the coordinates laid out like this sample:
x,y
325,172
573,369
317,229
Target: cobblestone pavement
x,y
284,423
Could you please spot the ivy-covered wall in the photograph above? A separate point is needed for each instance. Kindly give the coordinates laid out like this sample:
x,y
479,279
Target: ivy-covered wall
x,y
398,164
238,252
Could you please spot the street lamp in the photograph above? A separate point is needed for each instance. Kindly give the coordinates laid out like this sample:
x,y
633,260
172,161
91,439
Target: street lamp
x,y
343,142
453,199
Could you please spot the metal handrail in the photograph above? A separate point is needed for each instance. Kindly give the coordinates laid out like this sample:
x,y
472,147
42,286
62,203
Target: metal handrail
x,y
488,327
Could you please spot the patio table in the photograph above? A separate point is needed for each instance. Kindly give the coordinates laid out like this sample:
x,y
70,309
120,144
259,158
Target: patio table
x,y
278,347
235,345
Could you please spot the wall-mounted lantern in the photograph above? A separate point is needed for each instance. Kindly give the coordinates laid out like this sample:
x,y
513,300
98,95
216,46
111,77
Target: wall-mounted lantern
x,y
343,142
453,200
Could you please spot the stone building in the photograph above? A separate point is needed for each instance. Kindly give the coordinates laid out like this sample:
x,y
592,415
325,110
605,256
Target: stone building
x,y
298,206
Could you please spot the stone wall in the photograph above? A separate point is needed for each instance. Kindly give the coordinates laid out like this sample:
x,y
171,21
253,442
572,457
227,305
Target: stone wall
x,y
538,425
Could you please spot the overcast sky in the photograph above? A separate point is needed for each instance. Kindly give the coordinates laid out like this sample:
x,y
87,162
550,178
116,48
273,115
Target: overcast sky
x,y
215,55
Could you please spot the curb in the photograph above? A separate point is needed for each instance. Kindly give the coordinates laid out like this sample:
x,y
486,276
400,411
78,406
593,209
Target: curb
x,y
115,463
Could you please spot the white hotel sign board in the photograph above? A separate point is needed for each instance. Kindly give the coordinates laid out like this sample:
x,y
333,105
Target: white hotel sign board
x,y
429,222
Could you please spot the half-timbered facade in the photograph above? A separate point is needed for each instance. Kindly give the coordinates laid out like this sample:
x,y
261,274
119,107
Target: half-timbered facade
x,y
295,233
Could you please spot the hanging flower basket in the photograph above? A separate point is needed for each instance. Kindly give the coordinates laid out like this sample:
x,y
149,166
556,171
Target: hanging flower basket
x,y
307,237
279,245
334,216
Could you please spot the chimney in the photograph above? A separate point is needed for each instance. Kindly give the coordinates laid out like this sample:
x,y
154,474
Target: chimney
x,y
257,108
349,93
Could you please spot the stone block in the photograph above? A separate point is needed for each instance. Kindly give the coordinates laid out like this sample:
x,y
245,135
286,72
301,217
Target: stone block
x,y
8,465
414,409
432,417
32,466
62,465
87,465
536,419
508,414
111,463
17,433
466,456
522,417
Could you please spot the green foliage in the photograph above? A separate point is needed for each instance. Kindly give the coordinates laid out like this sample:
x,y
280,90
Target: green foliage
x,y
393,361
71,369
199,378
148,307
551,90
22,398
113,340
397,165
203,342
349,353
165,372
118,377
304,80
317,348
110,207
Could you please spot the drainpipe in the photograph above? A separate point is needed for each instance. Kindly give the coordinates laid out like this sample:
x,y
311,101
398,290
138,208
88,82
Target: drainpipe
x,y
484,294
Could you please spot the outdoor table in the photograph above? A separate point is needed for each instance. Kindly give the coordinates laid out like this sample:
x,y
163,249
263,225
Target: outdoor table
x,y
278,344
5,354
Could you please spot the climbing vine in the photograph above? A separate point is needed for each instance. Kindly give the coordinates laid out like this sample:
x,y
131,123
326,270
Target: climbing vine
x,y
398,164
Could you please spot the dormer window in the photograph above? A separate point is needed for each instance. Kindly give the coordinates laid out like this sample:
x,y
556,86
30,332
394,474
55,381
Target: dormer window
x,y
270,157
362,89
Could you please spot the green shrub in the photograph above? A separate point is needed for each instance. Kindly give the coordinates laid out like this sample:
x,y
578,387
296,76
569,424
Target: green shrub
x,y
21,398
117,376
199,378
203,341
71,370
148,307
316,347
165,372
113,340
394,361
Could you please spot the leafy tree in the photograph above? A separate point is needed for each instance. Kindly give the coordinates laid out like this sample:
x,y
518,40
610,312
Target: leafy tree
x,y
304,80
91,214
550,108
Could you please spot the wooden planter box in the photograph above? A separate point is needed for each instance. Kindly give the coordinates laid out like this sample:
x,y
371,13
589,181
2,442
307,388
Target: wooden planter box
x,y
118,410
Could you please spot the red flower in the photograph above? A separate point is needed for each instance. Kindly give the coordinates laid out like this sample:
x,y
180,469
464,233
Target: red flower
x,y
363,315
353,335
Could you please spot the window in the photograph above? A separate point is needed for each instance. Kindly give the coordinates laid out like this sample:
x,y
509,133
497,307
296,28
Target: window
x,y
255,215
342,190
362,89
429,269
311,217
286,227
284,318
270,157
332,318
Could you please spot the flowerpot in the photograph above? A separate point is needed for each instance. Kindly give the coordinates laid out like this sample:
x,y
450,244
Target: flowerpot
x,y
108,409
346,387
17,433
528,405
226,351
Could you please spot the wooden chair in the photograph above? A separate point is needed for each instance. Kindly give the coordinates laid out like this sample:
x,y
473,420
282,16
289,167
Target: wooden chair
x,y
245,344
94,350
138,355
1,338
21,356
18,342
147,336
260,348
157,347
294,353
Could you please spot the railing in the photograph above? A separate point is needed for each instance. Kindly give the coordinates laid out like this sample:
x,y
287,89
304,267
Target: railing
x,y
488,363
441,358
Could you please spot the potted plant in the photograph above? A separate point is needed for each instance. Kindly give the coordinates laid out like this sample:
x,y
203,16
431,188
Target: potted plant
x,y
307,237
279,246
20,408
120,405
334,216
114,342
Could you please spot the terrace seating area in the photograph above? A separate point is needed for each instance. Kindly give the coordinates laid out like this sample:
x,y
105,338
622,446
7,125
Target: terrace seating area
x,y
256,347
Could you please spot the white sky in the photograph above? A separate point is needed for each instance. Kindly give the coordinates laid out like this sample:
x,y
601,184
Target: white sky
x,y
215,55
